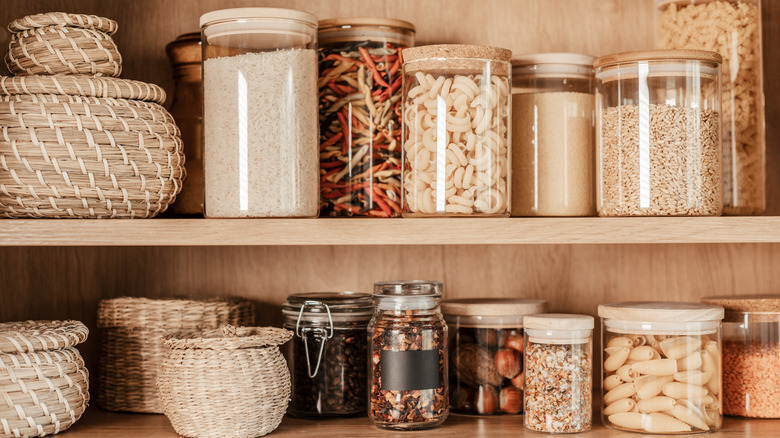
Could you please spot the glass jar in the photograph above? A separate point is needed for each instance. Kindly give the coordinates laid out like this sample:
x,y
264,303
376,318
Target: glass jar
x,y
553,156
328,357
658,134
187,109
662,367
456,119
408,345
751,355
360,115
261,155
486,353
733,29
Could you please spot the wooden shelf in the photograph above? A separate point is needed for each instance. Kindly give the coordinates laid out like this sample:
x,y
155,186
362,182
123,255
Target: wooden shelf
x,y
429,231
97,423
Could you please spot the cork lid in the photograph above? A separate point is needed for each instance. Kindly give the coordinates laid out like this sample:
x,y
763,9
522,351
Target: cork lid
x,y
757,307
659,311
464,51
658,55
559,321
492,307
331,23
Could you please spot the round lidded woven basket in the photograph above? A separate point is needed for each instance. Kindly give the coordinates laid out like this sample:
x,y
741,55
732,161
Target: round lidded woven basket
x,y
229,382
131,348
43,380
83,147
63,43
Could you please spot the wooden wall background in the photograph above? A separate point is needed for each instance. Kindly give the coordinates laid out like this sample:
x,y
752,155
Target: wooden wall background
x,y
56,283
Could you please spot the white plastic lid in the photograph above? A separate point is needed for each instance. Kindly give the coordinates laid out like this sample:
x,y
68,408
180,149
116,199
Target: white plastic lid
x,y
661,311
250,13
559,322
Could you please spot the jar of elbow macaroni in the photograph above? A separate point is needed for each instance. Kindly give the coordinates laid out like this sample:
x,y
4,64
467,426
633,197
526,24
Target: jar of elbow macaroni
x,y
456,125
662,366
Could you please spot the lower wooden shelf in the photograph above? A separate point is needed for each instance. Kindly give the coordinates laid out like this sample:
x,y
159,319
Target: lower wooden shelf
x,y
96,423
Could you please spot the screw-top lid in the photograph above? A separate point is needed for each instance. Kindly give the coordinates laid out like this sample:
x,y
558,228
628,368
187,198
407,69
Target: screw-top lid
x,y
658,55
492,307
255,13
185,49
407,294
330,23
659,311
757,307
559,321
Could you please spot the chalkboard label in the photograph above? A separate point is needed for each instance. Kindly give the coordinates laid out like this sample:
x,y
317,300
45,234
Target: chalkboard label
x,y
410,370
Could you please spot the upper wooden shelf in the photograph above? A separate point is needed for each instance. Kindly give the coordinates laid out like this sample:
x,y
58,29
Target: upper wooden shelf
x,y
430,231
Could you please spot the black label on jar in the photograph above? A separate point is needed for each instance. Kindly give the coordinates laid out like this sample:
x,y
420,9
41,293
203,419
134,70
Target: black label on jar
x,y
410,370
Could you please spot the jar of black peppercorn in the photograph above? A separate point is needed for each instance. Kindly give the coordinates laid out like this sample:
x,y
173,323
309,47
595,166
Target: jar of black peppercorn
x,y
408,345
328,355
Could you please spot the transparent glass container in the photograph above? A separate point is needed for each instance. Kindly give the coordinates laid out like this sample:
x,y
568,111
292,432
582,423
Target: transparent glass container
x,y
360,115
260,148
408,363
328,356
661,367
658,142
486,353
456,131
751,355
553,155
733,29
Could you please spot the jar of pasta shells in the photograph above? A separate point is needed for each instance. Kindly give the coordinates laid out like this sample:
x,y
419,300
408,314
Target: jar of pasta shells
x,y
456,131
662,366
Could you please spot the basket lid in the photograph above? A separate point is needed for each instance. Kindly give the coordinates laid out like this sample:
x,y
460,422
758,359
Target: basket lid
x,y
228,337
492,307
30,336
173,313
558,321
658,55
660,311
45,19
78,85
758,307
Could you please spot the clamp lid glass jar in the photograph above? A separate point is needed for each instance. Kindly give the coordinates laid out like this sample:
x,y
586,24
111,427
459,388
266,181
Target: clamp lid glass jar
x,y
329,353
662,369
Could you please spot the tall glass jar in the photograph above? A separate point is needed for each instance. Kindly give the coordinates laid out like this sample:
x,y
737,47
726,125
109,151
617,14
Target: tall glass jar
x,y
328,356
553,156
658,134
558,373
456,124
408,347
662,367
360,115
261,154
733,29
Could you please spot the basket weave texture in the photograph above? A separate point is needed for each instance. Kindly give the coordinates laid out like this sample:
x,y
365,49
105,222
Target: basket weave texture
x,y
230,382
58,42
44,385
131,343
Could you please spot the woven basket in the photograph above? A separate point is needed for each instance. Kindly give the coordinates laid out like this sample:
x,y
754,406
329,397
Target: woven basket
x,y
58,42
81,147
44,385
131,347
230,382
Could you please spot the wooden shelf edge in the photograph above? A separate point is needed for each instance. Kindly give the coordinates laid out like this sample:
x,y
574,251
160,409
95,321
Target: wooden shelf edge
x,y
360,231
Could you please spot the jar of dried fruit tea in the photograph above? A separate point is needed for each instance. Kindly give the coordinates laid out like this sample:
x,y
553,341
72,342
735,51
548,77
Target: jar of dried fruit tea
x,y
558,373
456,135
328,357
733,29
658,142
662,367
408,348
553,156
360,115
751,355
486,353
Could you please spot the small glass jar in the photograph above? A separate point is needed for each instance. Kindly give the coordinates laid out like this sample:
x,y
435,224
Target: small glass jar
x,y
553,156
328,357
360,115
733,29
456,135
260,147
408,347
558,373
751,355
658,134
662,367
486,353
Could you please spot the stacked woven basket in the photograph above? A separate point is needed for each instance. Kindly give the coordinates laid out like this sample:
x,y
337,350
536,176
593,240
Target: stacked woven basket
x,y
77,142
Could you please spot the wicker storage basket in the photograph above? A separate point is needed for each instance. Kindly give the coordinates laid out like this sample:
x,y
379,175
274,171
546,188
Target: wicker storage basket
x,y
82,147
58,42
229,382
44,385
131,347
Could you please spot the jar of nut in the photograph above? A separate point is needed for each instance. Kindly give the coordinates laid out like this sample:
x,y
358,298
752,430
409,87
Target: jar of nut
x,y
486,354
408,345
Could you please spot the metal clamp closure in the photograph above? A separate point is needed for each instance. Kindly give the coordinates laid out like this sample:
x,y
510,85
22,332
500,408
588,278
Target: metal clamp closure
x,y
319,333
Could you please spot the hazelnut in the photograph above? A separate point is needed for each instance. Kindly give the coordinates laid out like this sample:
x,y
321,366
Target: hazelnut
x,y
515,342
519,381
511,400
509,362
486,399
